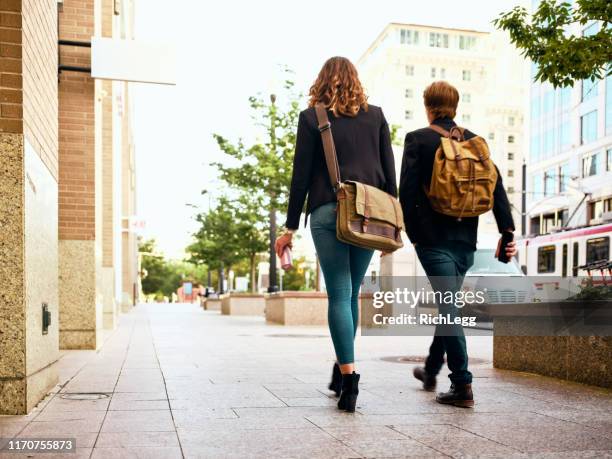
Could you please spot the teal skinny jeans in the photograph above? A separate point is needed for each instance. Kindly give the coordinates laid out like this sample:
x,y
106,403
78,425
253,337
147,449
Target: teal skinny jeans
x,y
344,267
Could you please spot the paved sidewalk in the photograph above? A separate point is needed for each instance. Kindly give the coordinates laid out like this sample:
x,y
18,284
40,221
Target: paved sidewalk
x,y
176,381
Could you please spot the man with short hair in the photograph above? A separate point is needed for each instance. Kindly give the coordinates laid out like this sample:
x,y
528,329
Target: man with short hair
x,y
445,245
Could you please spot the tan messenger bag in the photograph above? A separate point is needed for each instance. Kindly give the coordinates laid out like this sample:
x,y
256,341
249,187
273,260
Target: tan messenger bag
x,y
366,216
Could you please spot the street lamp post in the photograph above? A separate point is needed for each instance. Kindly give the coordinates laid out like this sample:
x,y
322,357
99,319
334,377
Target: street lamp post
x,y
272,287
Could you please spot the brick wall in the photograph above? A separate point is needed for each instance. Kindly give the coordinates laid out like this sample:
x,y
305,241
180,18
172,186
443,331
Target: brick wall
x,y
40,96
28,74
76,126
11,95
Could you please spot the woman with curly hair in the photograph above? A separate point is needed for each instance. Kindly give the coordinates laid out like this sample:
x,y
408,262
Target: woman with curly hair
x,y
363,146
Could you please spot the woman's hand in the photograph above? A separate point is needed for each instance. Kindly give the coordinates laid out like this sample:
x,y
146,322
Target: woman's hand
x,y
511,249
282,242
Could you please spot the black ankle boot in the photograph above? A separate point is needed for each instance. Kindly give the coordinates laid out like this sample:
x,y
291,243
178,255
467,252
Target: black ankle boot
x,y
429,381
350,390
336,382
458,395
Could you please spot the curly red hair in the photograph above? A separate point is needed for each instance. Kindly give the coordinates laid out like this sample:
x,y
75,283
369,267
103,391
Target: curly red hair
x,y
338,88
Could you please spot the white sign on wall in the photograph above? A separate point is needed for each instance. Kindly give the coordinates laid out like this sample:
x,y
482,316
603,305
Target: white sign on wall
x,y
133,60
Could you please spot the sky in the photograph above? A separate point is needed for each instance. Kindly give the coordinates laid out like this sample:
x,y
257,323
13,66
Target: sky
x,y
228,51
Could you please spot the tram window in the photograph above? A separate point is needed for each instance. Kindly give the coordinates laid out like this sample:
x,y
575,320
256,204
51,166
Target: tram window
x,y
564,262
546,259
575,259
598,249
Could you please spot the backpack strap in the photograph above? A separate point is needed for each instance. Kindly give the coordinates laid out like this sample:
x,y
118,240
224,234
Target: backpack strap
x,y
455,133
329,148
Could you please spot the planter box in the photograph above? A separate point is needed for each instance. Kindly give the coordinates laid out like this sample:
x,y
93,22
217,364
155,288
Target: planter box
x,y
243,304
297,308
212,304
552,339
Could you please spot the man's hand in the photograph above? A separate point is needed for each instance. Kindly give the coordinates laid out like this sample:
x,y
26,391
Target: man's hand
x,y
282,242
511,249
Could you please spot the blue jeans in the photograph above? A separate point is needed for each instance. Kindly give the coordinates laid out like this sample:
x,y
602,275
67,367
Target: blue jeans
x,y
445,265
344,267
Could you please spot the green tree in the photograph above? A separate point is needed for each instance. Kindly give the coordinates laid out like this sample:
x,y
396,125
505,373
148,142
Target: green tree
x,y
155,267
562,58
217,241
295,278
264,169
251,228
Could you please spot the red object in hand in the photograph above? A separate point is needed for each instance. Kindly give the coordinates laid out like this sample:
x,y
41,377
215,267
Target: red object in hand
x,y
286,261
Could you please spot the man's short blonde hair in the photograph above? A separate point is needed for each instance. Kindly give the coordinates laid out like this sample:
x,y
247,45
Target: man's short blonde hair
x,y
441,99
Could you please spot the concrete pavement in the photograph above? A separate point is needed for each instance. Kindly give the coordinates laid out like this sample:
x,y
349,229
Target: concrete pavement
x,y
176,381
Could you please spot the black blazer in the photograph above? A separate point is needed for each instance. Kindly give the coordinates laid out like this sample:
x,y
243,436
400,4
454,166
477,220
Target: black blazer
x,y
363,146
424,225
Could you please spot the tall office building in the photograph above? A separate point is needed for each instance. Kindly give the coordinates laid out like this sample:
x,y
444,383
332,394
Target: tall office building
x,y
488,72
570,152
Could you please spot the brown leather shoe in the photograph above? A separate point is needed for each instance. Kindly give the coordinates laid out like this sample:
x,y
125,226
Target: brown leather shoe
x,y
429,381
458,395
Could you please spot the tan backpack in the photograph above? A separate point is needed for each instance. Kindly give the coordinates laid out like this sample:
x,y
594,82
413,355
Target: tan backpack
x,y
463,177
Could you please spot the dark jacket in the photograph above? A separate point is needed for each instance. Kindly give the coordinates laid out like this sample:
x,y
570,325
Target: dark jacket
x,y
363,146
424,225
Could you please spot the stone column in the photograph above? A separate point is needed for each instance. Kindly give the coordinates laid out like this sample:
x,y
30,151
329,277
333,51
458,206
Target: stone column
x,y
105,27
80,172
128,194
28,203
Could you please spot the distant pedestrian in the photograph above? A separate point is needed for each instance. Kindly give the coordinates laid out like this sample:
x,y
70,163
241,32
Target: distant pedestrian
x,y
444,244
363,147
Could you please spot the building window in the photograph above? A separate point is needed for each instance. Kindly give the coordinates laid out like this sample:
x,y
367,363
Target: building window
x,y
537,186
565,131
510,172
467,75
590,165
510,190
609,160
535,106
546,259
535,148
467,97
438,40
409,37
442,73
563,177
588,127
598,208
598,249
549,182
510,139
589,89
549,143
409,93
491,136
510,156
466,42
433,72
511,121
410,70
549,101
408,114
466,118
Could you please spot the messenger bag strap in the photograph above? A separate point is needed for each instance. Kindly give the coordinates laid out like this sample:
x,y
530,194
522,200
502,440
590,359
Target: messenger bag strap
x,y
331,159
